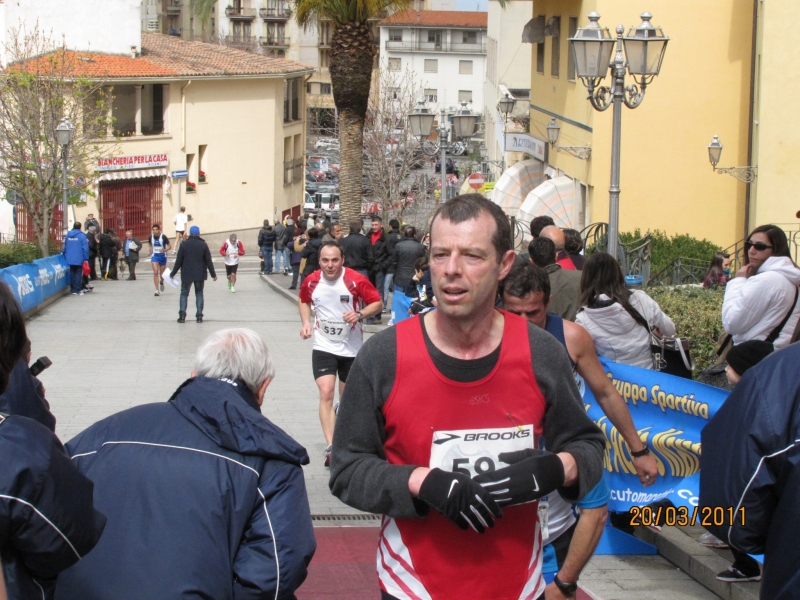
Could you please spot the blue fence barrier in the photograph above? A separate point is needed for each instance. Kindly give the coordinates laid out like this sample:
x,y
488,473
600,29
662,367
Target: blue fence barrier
x,y
32,283
669,412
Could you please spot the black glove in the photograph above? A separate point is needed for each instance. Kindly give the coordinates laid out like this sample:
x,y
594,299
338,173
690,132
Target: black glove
x,y
531,475
459,499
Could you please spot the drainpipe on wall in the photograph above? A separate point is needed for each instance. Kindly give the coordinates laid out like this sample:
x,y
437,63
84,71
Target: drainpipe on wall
x,y
183,115
751,124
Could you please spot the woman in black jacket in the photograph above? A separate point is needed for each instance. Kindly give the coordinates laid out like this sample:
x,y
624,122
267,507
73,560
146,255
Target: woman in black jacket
x,y
108,254
311,251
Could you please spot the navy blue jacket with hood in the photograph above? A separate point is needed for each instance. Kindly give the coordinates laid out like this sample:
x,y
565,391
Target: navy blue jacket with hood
x,y
23,397
47,522
76,247
205,498
751,461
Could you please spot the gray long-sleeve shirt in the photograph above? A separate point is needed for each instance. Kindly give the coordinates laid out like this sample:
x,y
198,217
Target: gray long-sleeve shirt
x,y
362,478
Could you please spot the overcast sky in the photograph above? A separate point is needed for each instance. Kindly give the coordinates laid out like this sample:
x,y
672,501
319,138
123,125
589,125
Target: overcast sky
x,y
472,5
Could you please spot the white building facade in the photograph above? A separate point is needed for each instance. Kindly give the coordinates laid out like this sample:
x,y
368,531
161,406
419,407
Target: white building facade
x,y
445,50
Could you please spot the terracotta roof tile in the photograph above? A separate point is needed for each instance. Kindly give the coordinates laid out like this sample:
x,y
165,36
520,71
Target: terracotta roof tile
x,y
438,18
169,56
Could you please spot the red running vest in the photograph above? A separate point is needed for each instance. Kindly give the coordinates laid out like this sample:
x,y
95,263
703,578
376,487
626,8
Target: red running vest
x,y
436,422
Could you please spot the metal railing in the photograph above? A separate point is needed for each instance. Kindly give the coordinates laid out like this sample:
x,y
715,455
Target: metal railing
x,y
443,46
634,257
173,6
281,10
238,12
682,271
276,41
240,39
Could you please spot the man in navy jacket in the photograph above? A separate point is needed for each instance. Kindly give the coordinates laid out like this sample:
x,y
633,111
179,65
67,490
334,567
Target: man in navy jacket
x,y
750,467
204,496
76,251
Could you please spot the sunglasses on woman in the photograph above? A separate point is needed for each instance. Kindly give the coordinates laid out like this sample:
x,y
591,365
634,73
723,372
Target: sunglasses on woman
x,y
760,246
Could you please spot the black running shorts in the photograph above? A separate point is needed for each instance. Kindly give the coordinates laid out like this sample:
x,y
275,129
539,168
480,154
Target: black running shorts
x,y
325,363
231,269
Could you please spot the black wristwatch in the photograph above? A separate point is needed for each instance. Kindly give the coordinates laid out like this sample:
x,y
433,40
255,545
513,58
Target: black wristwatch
x,y
643,452
568,589
360,316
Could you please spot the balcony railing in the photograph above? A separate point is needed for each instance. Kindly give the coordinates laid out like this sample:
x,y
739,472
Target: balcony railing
x,y
274,41
279,12
423,46
235,12
173,6
242,40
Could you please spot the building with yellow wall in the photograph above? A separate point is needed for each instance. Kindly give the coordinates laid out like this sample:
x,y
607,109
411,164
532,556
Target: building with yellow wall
x,y
704,89
234,120
776,135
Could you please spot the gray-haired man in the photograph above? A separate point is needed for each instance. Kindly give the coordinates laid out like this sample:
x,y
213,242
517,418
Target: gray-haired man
x,y
202,492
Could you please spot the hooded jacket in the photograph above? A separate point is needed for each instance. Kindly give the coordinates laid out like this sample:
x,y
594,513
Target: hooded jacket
x,y
47,520
23,397
751,463
204,496
267,237
755,305
311,254
616,334
76,248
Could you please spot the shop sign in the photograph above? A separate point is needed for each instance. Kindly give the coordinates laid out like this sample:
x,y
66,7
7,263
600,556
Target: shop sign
x,y
525,142
138,161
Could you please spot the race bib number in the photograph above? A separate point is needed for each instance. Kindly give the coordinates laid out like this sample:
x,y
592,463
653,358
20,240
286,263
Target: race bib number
x,y
336,331
476,451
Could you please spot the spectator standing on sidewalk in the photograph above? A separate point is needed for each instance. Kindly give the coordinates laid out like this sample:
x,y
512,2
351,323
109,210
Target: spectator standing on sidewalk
x,y
562,258
131,247
204,495
91,222
310,253
266,241
296,248
377,238
76,251
404,257
573,245
279,263
719,272
194,258
232,249
91,236
288,236
536,226
357,249
393,237
565,286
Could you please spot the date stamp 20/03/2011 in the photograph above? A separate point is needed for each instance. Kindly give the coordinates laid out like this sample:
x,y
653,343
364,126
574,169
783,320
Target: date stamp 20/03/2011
x,y
647,516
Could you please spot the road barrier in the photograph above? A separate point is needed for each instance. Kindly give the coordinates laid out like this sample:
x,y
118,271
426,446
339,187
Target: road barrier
x,y
33,283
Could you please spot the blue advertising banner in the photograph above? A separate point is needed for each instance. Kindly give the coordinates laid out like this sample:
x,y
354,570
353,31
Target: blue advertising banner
x,y
669,413
32,283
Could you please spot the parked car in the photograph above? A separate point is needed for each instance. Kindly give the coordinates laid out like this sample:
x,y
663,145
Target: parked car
x,y
326,143
450,167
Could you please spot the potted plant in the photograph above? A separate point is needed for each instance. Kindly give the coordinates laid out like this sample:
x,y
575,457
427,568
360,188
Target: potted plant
x,y
191,188
230,10
201,177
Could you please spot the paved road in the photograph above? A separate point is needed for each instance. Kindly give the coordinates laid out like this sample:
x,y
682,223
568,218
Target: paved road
x,y
121,346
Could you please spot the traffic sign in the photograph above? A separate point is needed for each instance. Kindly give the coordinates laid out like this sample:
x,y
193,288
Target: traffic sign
x,y
179,174
476,181
80,181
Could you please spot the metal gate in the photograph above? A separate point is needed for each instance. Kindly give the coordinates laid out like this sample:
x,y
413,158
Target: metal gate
x,y
132,204
25,232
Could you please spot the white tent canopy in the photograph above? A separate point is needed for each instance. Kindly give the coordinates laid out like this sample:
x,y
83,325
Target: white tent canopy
x,y
555,198
515,183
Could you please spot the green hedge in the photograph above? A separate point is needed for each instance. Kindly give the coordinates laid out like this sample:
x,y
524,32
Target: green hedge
x,y
697,314
666,249
14,254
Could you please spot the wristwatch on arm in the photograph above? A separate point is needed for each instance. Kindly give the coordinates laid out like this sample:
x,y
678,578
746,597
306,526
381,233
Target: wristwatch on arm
x,y
360,316
568,589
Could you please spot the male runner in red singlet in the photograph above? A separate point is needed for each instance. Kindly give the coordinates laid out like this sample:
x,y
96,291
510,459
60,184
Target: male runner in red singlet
x,y
342,299
447,411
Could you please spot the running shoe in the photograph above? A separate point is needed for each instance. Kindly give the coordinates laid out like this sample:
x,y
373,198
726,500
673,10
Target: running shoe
x,y
735,575
157,293
710,540
233,289
327,462
161,284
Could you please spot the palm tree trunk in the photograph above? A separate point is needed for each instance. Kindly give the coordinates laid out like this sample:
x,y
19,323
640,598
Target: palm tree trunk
x,y
352,54
351,141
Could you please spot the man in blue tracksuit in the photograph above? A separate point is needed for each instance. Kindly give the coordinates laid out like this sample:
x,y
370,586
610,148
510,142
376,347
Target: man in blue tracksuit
x,y
76,251
204,495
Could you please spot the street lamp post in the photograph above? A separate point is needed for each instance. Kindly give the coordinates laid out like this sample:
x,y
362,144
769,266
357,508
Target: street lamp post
x,y
744,174
581,152
640,53
63,135
421,122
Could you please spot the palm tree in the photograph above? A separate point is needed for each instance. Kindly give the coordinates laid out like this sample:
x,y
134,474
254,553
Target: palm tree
x,y
352,56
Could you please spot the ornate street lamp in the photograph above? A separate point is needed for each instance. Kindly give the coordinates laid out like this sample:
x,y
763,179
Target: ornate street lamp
x,y
505,105
744,174
641,53
581,152
63,133
421,123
